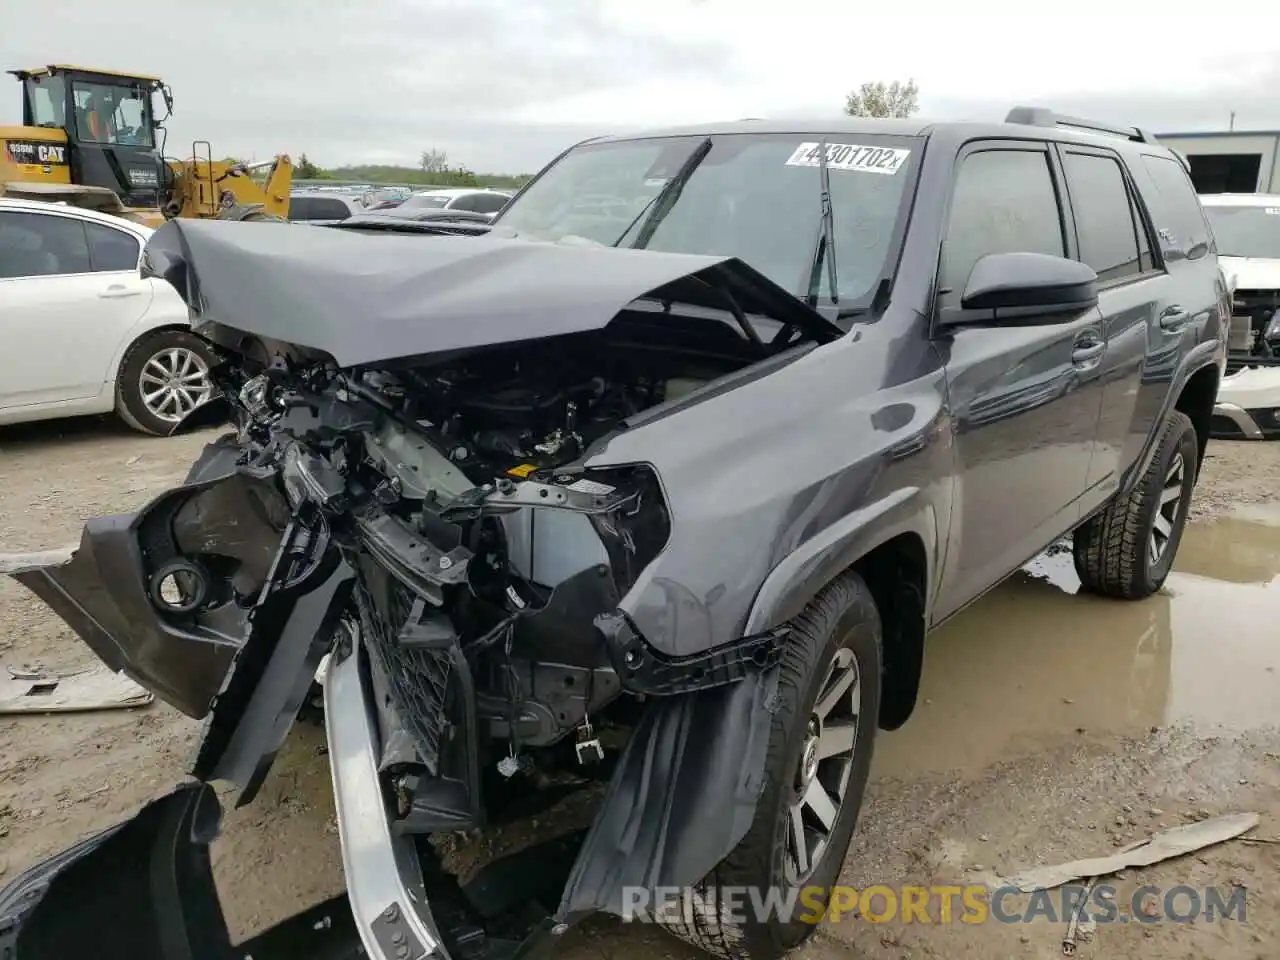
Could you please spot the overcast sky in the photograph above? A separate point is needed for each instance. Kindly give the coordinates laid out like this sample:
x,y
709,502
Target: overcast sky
x,y
502,85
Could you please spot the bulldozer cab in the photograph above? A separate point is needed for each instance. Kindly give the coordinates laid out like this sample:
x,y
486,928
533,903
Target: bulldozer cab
x,y
108,131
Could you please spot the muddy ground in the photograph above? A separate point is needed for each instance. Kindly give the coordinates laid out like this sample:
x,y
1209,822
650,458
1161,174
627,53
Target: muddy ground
x,y
1051,727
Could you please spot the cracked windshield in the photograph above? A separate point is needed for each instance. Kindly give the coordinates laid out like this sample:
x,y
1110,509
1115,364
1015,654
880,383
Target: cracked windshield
x,y
757,198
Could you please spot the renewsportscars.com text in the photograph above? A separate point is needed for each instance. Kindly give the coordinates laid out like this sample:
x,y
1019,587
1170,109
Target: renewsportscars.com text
x,y
942,903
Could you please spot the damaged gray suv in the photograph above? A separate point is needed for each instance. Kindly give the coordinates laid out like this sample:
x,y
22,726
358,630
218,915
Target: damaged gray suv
x,y
654,486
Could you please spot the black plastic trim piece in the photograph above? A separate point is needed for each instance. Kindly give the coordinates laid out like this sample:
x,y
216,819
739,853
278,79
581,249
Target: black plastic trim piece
x,y
643,670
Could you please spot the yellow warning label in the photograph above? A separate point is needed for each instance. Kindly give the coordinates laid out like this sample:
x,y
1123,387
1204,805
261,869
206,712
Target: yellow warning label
x,y
523,470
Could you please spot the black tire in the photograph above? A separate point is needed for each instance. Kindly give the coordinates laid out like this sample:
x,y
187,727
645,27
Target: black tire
x,y
1112,549
842,617
129,402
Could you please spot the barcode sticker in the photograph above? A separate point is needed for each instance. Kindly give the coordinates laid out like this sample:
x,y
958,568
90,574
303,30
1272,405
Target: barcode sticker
x,y
850,156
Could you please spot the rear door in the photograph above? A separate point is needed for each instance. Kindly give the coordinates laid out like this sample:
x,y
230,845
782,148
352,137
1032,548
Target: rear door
x,y
1024,399
1135,296
69,291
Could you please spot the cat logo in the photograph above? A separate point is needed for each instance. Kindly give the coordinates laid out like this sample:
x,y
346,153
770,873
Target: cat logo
x,y
46,154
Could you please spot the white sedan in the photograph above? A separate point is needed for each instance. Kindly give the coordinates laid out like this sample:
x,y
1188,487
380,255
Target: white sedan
x,y
83,331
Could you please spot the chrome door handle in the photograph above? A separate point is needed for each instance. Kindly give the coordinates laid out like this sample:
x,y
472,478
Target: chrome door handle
x,y
1088,351
116,292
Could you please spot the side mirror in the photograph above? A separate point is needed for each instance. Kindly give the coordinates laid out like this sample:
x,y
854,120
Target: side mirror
x,y
1017,288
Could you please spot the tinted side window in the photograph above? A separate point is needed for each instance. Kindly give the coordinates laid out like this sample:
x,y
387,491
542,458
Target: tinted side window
x,y
38,245
317,208
1003,202
1174,207
330,208
1104,218
465,202
489,202
112,249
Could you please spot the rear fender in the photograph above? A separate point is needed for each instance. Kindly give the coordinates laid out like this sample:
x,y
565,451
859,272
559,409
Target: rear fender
x,y
1203,355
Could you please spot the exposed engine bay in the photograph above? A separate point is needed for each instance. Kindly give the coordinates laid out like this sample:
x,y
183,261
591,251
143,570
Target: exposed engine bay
x,y
485,554
536,407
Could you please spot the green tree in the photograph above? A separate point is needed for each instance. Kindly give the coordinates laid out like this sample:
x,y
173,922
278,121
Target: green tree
x,y
880,100
306,170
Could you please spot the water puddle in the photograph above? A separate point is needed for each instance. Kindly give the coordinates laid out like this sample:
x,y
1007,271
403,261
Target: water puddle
x,y
1033,659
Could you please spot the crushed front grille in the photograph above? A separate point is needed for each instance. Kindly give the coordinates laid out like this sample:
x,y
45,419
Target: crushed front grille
x,y
417,679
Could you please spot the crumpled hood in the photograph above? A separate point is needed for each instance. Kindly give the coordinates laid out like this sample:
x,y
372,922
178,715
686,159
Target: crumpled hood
x,y
1252,273
366,298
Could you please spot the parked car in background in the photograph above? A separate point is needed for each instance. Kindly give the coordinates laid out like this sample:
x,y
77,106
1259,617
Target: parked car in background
x,y
1246,227
323,205
458,198
384,196
83,331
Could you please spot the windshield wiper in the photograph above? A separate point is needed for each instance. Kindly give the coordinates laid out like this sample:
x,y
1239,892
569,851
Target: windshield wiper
x,y
665,198
825,246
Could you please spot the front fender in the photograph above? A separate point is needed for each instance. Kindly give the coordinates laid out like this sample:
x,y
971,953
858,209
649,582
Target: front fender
x,y
798,577
682,797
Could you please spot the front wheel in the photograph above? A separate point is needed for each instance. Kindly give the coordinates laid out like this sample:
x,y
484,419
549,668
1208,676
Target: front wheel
x,y
164,376
816,767
1127,550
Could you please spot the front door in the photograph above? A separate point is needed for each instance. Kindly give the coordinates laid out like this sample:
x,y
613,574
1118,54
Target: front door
x,y
1024,400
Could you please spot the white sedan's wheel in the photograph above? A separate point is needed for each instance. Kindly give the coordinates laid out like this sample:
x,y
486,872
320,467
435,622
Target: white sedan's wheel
x,y
165,375
174,381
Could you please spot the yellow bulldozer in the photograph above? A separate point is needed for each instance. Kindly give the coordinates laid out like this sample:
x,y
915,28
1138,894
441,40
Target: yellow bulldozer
x,y
91,138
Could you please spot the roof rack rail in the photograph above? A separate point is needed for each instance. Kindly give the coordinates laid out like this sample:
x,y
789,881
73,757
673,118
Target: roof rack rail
x,y
1040,117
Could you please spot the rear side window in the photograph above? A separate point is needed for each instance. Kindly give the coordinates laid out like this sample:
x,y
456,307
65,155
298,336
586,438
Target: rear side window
x,y
38,245
112,249
1004,202
1175,209
317,208
488,202
1104,216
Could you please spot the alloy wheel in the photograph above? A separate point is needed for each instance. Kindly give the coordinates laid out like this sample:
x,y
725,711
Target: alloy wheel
x,y
823,769
1166,510
173,382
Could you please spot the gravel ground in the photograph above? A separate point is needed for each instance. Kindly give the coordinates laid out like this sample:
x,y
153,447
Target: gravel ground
x,y
1090,727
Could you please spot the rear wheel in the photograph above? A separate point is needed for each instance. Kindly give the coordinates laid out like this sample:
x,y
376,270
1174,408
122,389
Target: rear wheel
x,y
1128,549
164,376
816,767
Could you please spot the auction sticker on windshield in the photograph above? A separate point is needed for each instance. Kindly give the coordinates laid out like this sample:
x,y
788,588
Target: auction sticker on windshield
x,y
850,156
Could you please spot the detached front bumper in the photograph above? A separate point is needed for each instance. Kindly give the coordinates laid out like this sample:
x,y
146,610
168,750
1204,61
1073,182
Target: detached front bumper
x,y
144,890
